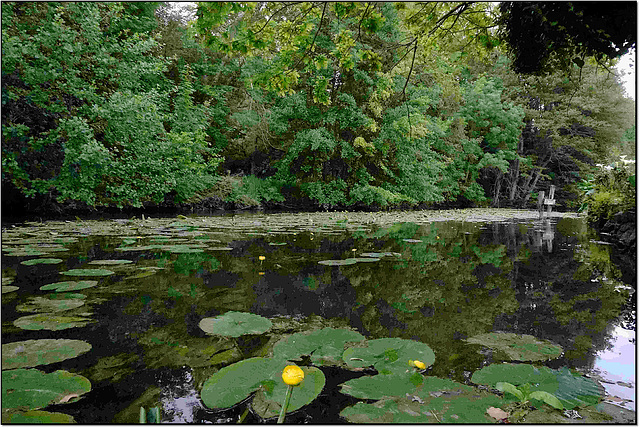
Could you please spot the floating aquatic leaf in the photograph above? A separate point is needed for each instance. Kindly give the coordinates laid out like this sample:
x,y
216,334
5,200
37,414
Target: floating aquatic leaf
x,y
43,304
516,374
325,346
64,296
388,355
575,390
27,389
268,401
366,259
219,248
379,386
27,253
69,285
234,383
88,272
9,288
344,262
518,347
50,322
31,353
181,249
379,255
447,406
139,248
235,324
36,417
412,241
110,262
277,243
33,262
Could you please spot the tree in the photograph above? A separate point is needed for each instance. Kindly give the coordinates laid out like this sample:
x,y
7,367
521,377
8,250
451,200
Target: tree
x,y
546,36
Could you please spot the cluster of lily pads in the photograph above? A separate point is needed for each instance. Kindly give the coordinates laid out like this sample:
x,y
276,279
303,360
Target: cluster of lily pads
x,y
393,376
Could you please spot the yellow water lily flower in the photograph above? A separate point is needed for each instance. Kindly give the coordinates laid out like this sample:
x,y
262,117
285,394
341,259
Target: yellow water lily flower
x,y
292,375
417,364
261,258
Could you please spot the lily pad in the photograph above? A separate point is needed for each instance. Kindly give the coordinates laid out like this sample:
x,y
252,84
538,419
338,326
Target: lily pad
x,y
110,262
388,355
344,262
234,383
181,249
31,353
450,404
518,347
380,386
575,390
23,253
219,248
27,389
379,255
88,272
9,288
325,346
50,322
44,304
516,374
412,241
268,400
235,324
366,259
33,262
64,296
37,417
69,285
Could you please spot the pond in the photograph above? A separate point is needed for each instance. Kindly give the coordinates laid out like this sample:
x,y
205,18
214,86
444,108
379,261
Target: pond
x,y
129,296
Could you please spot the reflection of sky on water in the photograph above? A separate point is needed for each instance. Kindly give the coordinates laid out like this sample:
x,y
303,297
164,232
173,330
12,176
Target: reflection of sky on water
x,y
618,364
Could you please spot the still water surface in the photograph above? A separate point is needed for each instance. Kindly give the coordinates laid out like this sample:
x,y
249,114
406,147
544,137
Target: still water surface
x,y
441,282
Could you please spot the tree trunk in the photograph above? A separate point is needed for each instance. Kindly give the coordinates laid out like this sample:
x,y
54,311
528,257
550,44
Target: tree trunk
x,y
515,176
496,190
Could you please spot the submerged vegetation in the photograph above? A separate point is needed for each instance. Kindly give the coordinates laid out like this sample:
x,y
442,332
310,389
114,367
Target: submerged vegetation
x,y
307,105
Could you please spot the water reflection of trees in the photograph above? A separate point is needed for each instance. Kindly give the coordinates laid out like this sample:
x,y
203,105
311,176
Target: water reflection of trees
x,y
458,281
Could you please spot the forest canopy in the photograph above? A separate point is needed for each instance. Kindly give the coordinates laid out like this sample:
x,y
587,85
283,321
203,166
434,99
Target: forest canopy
x,y
322,105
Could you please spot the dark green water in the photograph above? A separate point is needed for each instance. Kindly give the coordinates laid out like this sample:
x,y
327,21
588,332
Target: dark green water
x,y
449,280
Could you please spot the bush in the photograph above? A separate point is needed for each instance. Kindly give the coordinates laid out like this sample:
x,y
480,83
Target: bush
x,y
611,190
370,195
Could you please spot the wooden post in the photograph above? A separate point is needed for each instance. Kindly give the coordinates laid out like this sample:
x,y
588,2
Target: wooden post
x,y
550,201
540,202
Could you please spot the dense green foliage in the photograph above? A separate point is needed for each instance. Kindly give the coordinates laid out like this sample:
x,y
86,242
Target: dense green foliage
x,y
368,105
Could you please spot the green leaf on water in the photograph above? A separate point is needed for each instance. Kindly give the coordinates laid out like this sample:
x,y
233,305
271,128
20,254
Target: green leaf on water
x,y
50,322
518,347
234,383
389,355
27,389
31,353
110,262
33,262
267,402
9,288
517,374
345,262
44,304
379,386
36,417
325,346
69,285
88,272
235,324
